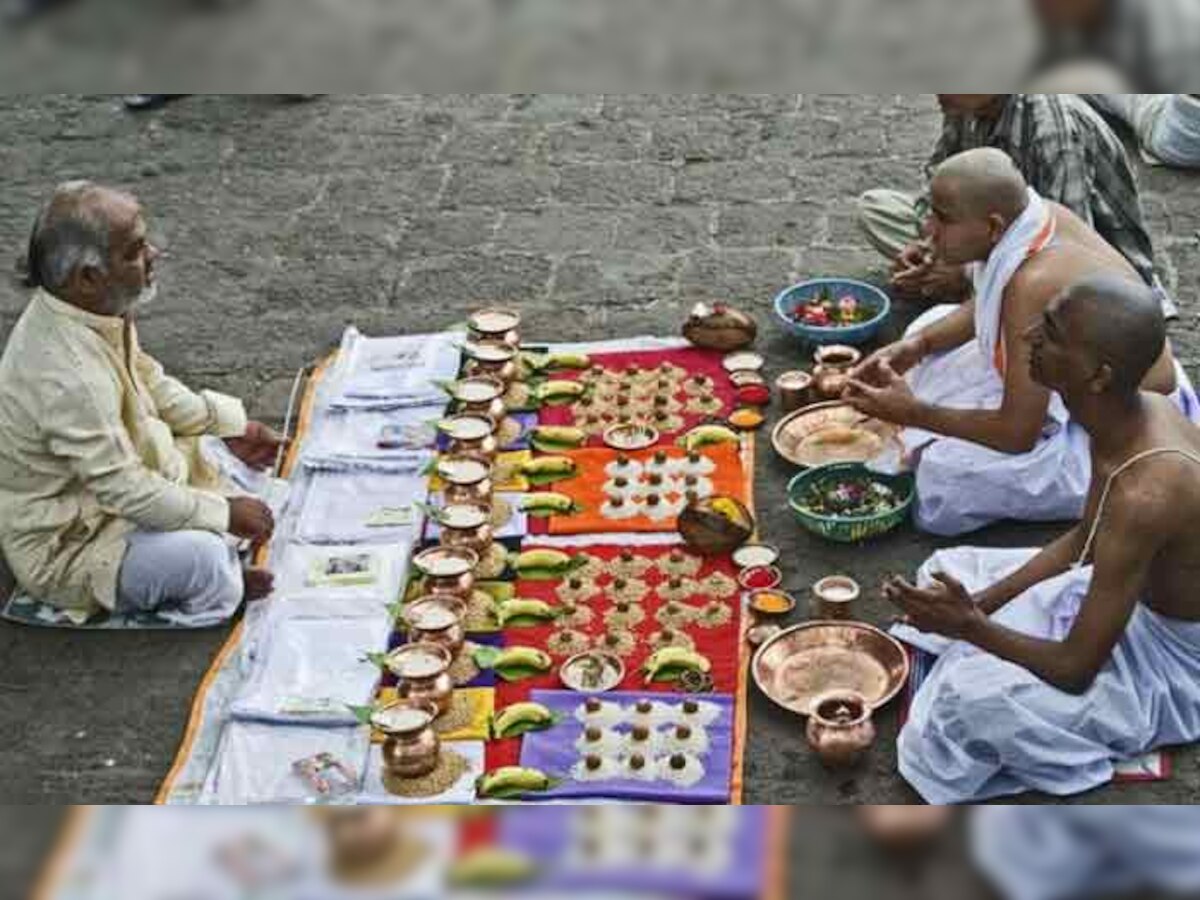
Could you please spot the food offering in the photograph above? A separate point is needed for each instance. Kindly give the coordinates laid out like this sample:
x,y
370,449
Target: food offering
x,y
825,310
835,432
633,746
851,497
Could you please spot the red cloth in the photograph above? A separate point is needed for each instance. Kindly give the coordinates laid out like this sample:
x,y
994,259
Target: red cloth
x,y
719,645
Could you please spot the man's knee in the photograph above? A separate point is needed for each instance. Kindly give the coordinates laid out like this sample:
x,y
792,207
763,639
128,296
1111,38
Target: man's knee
x,y
217,575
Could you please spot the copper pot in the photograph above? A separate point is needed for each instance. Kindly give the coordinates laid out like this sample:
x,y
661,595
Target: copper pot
x,y
471,435
448,570
840,729
411,747
497,325
497,361
480,395
466,479
832,371
795,390
436,619
467,526
423,673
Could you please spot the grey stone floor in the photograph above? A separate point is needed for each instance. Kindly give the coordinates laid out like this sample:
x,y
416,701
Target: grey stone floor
x,y
600,216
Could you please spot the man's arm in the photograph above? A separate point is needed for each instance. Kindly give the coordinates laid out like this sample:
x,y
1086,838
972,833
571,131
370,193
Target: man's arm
x,y
82,424
1055,559
1130,538
188,413
1016,426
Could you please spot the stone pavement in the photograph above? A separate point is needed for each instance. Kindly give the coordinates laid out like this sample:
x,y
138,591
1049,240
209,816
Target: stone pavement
x,y
600,216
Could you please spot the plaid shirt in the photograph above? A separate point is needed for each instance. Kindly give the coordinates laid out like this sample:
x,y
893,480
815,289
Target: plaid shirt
x,y
1068,154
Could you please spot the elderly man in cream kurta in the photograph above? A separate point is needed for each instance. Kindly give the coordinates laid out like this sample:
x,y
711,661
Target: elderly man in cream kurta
x,y
105,500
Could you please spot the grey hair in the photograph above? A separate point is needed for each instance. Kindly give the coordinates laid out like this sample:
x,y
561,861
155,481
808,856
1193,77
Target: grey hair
x,y
70,233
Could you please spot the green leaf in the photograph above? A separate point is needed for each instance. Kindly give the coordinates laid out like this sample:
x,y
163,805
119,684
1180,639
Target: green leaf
x,y
513,674
543,480
362,713
379,659
524,728
499,590
485,657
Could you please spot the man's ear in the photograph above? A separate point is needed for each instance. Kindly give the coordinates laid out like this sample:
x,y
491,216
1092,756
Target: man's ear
x,y
996,228
1102,380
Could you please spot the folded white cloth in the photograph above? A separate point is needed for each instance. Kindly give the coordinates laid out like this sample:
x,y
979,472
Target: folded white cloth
x,y
1029,234
363,503
394,371
309,670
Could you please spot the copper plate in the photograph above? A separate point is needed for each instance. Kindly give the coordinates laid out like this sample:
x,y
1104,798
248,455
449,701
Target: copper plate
x,y
881,439
799,664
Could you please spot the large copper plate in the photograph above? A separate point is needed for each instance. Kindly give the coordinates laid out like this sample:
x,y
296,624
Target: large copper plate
x,y
799,664
835,432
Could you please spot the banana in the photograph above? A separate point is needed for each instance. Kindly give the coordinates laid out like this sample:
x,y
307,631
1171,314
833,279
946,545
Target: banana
x,y
523,658
707,435
668,663
521,718
567,361
546,466
557,438
512,781
491,867
547,504
544,565
529,610
560,391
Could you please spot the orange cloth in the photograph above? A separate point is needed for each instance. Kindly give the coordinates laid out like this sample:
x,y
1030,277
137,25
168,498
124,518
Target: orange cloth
x,y
587,490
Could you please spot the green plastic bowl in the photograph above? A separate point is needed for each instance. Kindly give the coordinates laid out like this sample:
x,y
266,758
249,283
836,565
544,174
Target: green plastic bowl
x,y
850,530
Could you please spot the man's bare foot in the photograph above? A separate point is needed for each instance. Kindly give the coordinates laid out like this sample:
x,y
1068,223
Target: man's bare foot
x,y
904,827
258,583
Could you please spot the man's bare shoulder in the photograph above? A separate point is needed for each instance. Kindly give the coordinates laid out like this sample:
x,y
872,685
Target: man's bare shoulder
x,y
1156,496
1036,283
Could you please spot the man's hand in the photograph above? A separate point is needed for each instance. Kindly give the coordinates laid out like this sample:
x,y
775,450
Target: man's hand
x,y
258,447
902,356
946,608
251,519
917,274
882,393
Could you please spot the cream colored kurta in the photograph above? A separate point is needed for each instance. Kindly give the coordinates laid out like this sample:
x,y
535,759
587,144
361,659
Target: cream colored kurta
x,y
96,441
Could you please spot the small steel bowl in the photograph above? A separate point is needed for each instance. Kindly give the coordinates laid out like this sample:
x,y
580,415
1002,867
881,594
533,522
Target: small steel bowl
x,y
753,600
613,672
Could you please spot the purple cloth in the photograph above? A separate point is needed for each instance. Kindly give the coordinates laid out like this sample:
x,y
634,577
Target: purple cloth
x,y
554,752
544,833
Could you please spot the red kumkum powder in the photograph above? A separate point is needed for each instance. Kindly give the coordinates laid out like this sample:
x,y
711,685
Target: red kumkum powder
x,y
759,579
754,394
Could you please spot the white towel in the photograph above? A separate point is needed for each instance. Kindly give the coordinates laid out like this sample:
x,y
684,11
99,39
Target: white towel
x,y
1032,231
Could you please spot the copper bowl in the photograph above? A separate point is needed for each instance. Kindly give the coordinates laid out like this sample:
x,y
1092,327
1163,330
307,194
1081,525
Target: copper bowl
x,y
709,533
802,663
447,570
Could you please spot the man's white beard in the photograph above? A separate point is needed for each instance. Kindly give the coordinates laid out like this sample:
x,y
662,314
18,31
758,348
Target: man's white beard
x,y
145,297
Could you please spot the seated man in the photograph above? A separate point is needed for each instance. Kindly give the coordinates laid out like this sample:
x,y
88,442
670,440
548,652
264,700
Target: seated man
x,y
989,442
1056,664
1066,152
105,500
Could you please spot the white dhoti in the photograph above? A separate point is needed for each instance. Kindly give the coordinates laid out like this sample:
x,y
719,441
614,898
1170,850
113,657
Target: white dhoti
x,y
1065,852
963,486
981,727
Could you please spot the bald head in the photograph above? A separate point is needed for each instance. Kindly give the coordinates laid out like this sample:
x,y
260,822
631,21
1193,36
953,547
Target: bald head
x,y
1120,324
983,182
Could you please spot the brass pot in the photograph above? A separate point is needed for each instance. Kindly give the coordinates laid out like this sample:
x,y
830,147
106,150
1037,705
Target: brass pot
x,y
411,748
795,390
436,619
840,729
832,371
423,674
467,526
448,570
720,327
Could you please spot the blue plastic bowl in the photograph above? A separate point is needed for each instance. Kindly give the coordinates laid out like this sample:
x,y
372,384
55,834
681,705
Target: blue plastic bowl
x,y
866,294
